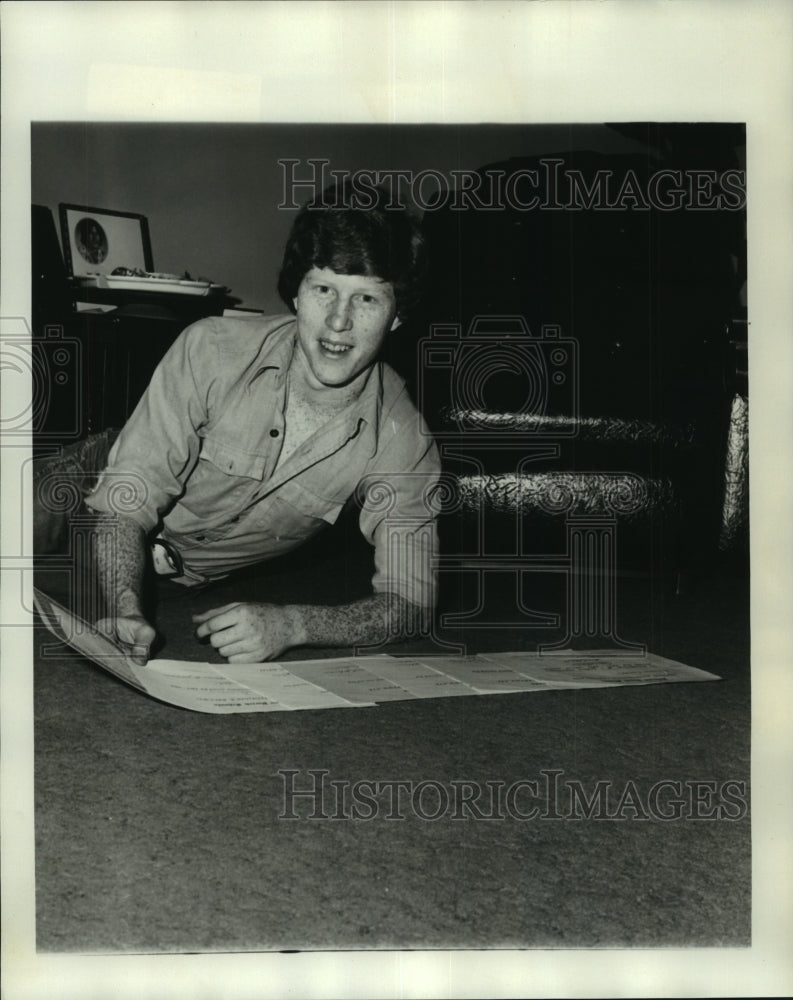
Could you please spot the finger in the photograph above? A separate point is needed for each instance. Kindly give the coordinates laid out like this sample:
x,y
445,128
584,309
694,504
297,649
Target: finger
x,y
226,619
219,619
135,630
137,644
138,653
251,657
226,636
236,648
125,638
133,644
206,615
212,626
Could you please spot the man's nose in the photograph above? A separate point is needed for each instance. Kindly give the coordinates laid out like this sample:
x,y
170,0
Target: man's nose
x,y
339,316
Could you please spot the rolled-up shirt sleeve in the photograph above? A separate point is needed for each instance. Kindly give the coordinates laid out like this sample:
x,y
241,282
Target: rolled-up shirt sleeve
x,y
159,445
398,514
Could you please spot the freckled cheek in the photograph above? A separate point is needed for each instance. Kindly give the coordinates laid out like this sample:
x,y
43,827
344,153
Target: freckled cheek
x,y
311,313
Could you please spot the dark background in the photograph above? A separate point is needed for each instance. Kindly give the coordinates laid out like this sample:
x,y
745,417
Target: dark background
x,y
211,192
655,301
157,829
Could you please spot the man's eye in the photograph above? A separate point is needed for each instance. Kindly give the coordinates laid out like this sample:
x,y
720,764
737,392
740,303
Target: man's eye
x,y
323,289
368,299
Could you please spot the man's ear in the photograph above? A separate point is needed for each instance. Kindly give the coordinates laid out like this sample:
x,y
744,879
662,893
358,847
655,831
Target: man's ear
x,y
397,322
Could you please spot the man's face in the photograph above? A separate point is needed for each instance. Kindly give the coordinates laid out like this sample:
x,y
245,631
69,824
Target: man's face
x,y
342,322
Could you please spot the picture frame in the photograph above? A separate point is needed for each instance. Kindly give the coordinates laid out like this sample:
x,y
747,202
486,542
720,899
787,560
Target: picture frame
x,y
98,240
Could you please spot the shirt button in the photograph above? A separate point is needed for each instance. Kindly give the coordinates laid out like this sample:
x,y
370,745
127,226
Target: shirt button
x,y
274,432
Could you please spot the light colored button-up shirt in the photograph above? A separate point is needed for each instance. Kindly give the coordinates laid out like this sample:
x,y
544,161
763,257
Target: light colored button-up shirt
x,y
199,457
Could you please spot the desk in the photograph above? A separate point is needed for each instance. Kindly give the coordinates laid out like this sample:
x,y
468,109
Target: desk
x,y
111,354
155,303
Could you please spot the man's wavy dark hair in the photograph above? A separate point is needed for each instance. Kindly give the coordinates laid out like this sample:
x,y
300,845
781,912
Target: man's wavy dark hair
x,y
353,232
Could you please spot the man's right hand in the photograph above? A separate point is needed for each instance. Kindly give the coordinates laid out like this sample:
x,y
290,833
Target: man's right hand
x,y
133,633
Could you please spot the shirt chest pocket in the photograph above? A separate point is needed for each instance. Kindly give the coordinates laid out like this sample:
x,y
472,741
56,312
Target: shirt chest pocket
x,y
226,457
222,483
294,513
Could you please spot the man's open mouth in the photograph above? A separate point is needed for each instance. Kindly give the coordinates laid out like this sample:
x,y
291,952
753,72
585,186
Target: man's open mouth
x,y
326,345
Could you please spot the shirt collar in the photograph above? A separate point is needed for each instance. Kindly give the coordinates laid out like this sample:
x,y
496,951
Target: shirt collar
x,y
275,357
370,404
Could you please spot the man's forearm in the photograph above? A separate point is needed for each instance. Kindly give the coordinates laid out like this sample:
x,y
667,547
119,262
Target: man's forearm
x,y
369,621
121,561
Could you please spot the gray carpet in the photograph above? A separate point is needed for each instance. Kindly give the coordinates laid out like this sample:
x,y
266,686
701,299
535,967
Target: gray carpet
x,y
158,829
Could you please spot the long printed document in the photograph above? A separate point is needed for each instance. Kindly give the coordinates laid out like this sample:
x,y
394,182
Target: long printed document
x,y
357,681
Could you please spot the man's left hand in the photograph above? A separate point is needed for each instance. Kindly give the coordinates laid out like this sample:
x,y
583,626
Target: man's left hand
x,y
249,633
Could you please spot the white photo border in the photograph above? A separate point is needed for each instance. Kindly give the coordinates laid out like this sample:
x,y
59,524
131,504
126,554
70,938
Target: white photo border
x,y
704,60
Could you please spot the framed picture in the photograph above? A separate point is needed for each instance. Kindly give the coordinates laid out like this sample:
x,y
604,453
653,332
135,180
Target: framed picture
x,y
98,240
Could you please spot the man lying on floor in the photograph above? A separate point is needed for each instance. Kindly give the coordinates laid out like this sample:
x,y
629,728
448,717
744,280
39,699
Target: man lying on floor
x,y
254,433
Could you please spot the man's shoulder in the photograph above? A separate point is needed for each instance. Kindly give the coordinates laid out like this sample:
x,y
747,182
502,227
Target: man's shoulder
x,y
241,334
392,383
401,421
396,399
